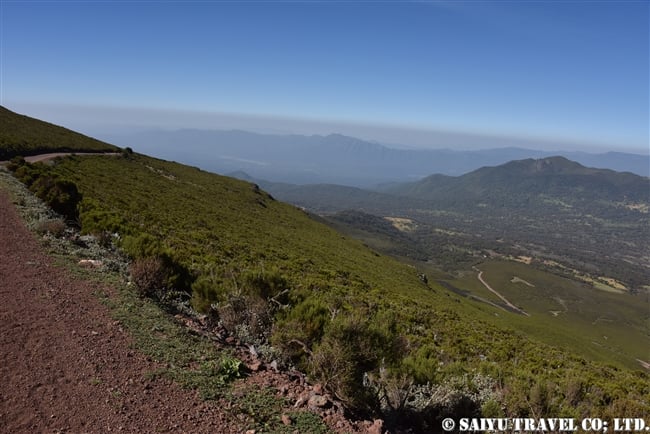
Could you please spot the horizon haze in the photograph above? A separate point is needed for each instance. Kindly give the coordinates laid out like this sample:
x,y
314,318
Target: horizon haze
x,y
458,75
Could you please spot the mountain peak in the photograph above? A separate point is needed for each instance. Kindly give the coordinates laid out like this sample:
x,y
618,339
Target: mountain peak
x,y
556,164
539,166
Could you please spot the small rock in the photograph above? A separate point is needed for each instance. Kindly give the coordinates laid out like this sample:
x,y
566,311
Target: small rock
x,y
376,427
302,399
254,367
318,401
250,431
318,388
274,365
90,263
286,419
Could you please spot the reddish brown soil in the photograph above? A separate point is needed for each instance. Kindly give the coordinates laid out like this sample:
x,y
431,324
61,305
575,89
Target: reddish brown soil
x,y
66,366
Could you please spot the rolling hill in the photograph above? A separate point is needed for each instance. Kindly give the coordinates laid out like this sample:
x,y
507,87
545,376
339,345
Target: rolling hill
x,y
520,181
373,331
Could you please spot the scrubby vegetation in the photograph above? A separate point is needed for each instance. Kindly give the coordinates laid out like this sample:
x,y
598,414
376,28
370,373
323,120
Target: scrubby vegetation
x,y
190,360
22,135
59,193
371,330
592,220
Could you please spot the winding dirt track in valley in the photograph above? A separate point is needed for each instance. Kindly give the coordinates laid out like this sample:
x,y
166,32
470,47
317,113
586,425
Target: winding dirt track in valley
x,y
66,365
505,300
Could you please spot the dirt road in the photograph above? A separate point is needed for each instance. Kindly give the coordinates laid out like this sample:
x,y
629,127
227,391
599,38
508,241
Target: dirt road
x,y
66,365
495,292
46,157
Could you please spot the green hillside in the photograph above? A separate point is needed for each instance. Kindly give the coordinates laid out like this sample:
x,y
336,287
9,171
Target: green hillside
x,y
368,327
22,135
375,332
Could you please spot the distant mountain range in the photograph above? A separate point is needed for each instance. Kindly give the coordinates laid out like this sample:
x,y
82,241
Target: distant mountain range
x,y
338,159
536,184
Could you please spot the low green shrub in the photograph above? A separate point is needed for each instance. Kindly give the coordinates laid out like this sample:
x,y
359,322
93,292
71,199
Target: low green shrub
x,y
148,275
54,227
352,346
62,195
297,330
248,317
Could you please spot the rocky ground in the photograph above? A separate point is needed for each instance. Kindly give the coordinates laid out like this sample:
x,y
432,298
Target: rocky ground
x,y
67,366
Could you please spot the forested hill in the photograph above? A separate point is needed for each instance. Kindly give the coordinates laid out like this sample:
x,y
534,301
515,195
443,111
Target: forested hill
x,y
519,182
22,135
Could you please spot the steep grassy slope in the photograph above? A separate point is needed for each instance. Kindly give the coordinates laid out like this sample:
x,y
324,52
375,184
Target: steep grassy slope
x,y
22,135
373,331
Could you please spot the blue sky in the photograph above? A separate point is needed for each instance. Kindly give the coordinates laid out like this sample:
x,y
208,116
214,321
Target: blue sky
x,y
565,73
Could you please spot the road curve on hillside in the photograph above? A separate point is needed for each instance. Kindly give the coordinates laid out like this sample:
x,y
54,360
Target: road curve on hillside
x,y
52,155
45,157
495,292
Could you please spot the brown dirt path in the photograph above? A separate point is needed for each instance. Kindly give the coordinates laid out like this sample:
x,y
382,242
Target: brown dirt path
x,y
50,156
495,292
45,157
66,365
